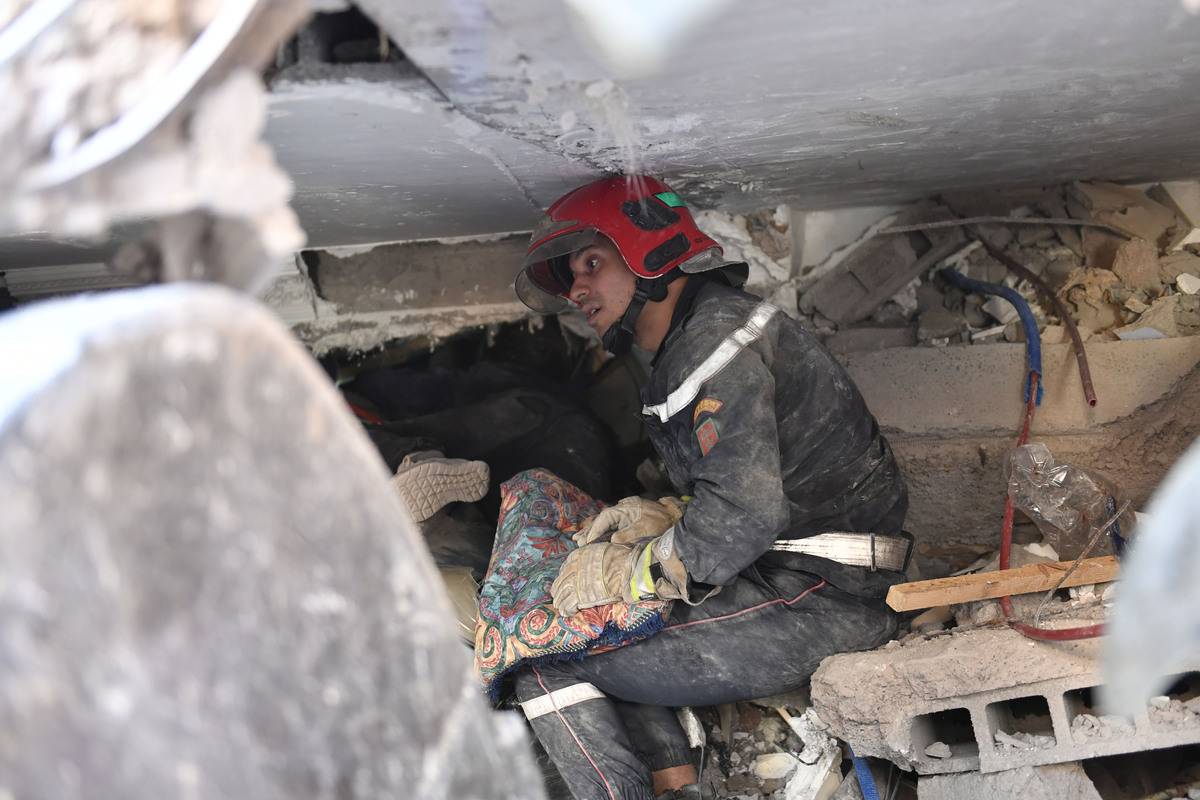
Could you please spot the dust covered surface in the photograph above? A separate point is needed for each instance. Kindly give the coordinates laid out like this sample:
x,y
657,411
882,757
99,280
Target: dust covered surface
x,y
209,590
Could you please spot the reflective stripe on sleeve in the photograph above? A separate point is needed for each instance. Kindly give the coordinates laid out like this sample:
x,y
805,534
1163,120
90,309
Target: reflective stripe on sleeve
x,y
726,351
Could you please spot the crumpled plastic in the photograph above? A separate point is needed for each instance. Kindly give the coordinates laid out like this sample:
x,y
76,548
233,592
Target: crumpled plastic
x,y
1066,502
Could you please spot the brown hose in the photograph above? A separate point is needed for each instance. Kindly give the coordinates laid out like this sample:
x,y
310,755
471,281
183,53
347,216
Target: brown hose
x,y
1085,374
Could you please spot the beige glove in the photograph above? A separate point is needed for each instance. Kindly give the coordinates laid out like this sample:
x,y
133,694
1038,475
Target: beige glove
x,y
610,572
631,520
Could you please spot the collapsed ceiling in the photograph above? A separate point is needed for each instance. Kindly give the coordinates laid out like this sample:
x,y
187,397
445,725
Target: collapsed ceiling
x,y
495,107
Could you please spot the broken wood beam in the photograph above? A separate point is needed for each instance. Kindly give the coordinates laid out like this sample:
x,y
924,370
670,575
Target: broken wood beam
x,y
991,585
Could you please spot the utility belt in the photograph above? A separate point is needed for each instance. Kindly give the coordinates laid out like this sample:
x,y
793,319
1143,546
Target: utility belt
x,y
875,551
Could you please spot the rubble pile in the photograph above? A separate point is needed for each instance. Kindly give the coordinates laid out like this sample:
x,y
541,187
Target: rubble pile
x,y
771,749
121,112
1131,272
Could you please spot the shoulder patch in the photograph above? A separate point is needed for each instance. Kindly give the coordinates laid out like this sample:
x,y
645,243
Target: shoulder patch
x,y
707,435
709,405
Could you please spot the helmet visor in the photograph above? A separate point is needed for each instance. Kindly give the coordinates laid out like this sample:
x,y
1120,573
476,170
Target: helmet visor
x,y
546,279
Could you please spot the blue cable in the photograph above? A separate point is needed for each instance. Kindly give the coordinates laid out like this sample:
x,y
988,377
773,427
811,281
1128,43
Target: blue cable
x,y
1033,341
866,781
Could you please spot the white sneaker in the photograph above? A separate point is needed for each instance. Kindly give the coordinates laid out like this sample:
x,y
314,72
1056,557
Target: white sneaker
x,y
427,481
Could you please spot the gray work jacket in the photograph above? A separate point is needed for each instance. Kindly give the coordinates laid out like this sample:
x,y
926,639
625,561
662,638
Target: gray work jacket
x,y
756,421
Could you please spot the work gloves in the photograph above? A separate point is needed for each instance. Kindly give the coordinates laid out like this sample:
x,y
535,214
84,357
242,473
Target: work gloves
x,y
609,572
632,519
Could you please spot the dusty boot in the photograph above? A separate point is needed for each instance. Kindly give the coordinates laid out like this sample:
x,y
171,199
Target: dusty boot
x,y
426,480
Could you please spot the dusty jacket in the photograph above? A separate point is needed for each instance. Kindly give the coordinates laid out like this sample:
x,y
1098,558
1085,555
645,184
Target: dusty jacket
x,y
765,430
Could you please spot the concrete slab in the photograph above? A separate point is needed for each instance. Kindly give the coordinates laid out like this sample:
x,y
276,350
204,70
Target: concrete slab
x,y
977,389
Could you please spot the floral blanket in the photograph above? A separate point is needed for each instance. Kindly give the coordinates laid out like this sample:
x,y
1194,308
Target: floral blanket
x,y
517,623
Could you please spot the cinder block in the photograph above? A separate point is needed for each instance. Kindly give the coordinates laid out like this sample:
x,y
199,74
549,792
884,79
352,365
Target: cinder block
x,y
964,688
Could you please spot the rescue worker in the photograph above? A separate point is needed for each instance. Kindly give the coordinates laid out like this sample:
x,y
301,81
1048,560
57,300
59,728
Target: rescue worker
x,y
787,530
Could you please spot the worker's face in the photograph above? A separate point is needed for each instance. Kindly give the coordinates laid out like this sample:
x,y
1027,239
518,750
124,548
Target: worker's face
x,y
603,284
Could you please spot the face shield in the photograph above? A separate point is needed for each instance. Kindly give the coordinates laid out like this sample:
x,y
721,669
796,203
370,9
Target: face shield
x,y
545,281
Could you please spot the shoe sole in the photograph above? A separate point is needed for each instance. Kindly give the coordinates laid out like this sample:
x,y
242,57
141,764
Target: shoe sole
x,y
427,486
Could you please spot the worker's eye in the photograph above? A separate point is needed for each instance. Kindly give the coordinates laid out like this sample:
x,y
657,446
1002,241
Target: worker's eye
x,y
592,263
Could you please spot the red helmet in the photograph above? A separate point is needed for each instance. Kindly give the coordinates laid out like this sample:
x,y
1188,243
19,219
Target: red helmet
x,y
649,224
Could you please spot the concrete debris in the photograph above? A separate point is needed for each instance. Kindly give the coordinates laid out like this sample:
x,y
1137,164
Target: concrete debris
x,y
1056,782
939,323
1182,197
1188,283
767,757
1100,248
938,750
1171,711
845,282
775,766
762,241
1053,204
1023,741
1173,315
1000,310
1136,305
1128,209
1089,293
983,612
1136,264
882,266
1014,331
1104,726
1175,264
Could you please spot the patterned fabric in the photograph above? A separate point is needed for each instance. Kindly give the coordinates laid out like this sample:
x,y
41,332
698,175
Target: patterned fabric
x,y
517,623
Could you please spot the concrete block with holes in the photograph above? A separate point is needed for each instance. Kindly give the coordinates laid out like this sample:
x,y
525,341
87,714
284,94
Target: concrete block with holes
x,y
997,699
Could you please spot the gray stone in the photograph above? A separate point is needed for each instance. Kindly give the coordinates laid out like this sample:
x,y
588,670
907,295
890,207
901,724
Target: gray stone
x,y
880,267
207,579
775,766
939,323
938,750
1057,782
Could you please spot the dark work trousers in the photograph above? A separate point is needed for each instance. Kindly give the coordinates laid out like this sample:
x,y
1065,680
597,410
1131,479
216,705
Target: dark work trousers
x,y
761,635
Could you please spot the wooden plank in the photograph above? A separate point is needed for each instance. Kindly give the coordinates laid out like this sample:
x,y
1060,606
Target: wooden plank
x,y
990,585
